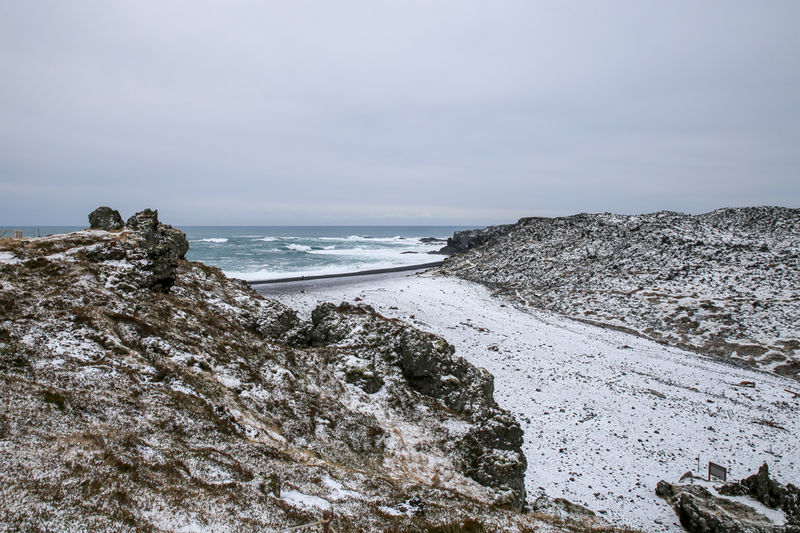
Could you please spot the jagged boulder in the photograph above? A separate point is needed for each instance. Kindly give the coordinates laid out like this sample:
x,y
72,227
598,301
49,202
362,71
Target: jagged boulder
x,y
492,456
161,246
429,365
106,219
490,452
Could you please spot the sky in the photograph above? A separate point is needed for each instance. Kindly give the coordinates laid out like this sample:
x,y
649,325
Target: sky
x,y
395,112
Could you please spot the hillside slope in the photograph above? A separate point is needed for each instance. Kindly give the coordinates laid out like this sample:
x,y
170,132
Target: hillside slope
x,y
725,283
144,392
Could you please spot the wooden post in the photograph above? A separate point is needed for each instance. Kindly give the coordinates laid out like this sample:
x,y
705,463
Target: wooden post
x,y
327,517
17,234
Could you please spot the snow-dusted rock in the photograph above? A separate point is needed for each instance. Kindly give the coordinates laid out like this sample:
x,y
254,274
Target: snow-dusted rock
x,y
756,504
461,241
160,247
105,218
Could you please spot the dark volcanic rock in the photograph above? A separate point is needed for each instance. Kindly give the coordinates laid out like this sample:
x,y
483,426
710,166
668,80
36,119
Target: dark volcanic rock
x,y
700,511
162,246
492,456
461,241
144,222
769,492
105,218
490,453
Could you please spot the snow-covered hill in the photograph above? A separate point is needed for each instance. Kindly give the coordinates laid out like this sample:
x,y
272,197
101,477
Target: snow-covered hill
x,y
725,283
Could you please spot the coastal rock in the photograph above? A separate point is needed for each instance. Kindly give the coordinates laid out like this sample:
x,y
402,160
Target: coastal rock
x,y
700,511
145,222
461,241
490,453
106,219
721,283
160,248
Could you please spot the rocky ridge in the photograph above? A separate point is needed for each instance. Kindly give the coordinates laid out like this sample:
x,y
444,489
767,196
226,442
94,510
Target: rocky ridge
x,y
461,241
143,391
725,283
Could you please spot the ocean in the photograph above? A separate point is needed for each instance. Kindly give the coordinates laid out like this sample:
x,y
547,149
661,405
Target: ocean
x,y
269,252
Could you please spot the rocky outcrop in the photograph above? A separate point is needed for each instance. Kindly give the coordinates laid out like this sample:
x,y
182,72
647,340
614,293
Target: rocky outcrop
x,y
130,408
105,218
490,453
722,283
700,511
769,492
461,241
160,247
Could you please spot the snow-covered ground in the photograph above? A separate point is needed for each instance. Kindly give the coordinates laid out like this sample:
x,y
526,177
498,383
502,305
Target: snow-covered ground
x,y
606,414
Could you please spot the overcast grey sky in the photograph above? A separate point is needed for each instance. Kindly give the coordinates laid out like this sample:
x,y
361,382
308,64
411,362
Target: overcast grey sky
x,y
395,112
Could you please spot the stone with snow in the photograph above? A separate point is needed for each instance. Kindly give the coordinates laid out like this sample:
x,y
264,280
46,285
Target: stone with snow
x,y
160,248
701,511
106,219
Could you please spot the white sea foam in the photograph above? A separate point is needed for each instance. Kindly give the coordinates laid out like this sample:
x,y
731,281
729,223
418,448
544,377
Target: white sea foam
x,y
359,238
212,239
266,239
298,247
264,274
373,253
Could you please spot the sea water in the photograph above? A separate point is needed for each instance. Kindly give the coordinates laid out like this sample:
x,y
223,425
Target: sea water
x,y
270,252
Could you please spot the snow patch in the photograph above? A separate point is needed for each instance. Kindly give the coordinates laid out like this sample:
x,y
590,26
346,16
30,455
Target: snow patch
x,y
296,498
8,258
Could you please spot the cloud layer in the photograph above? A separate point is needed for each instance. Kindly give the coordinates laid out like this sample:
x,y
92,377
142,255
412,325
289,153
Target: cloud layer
x,y
382,112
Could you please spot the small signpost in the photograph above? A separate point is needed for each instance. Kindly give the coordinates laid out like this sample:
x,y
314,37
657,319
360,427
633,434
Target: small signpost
x,y
719,472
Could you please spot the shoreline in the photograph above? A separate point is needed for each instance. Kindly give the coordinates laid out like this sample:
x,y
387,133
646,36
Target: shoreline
x,y
372,272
